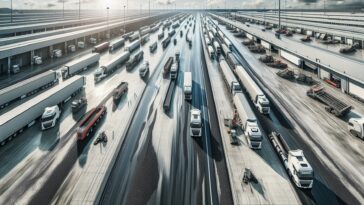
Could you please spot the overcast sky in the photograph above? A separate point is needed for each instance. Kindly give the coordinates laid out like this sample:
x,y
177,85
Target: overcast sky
x,y
136,4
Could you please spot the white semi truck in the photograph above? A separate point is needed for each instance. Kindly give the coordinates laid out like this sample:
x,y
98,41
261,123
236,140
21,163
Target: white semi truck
x,y
255,93
76,66
356,127
187,85
174,71
229,78
50,117
16,120
27,87
116,44
248,121
195,123
111,66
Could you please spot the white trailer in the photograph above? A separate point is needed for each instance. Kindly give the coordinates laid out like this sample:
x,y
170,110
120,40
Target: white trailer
x,y
230,80
221,35
132,46
228,43
78,65
133,37
116,44
211,52
248,121
145,31
255,93
211,36
207,40
291,58
225,50
27,87
16,120
187,85
111,66
217,49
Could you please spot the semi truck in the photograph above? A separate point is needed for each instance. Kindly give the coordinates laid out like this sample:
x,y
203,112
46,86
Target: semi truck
x,y
211,52
27,87
144,31
228,43
231,60
133,37
116,44
167,67
133,61
101,47
248,121
133,46
229,78
13,122
144,69
225,50
294,161
76,66
120,90
88,124
153,47
171,33
144,39
50,117
187,85
161,35
256,94
166,42
110,66
195,123
217,48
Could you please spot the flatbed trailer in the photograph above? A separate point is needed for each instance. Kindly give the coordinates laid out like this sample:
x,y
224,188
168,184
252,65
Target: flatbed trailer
x,y
167,67
168,99
333,105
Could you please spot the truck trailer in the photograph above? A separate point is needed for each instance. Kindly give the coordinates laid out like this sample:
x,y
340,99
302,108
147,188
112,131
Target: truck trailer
x,y
110,66
133,46
248,121
120,90
116,44
101,47
27,87
229,78
256,94
89,123
187,85
16,120
133,61
167,67
76,66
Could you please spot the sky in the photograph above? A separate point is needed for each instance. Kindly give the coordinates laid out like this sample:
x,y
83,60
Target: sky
x,y
183,4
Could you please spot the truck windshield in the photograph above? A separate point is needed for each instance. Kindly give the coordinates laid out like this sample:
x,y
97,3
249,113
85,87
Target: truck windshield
x,y
265,104
305,176
196,125
48,118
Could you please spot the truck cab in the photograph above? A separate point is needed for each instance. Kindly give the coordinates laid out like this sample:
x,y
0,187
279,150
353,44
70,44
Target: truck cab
x,y
50,117
99,74
356,127
174,70
144,69
235,88
299,169
196,123
262,103
253,134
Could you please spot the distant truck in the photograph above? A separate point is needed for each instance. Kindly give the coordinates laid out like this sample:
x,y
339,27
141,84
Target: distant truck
x,y
166,42
50,117
133,46
229,78
76,66
14,122
76,105
27,87
356,127
120,90
256,94
144,69
153,47
187,85
101,47
195,123
248,121
89,122
110,66
144,39
133,61
167,67
116,44
161,36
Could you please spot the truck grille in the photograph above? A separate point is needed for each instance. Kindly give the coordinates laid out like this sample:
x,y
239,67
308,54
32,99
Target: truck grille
x,y
196,132
47,125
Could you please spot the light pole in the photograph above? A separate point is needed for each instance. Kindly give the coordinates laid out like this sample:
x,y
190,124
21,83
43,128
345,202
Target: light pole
x,y
79,9
107,8
11,8
124,19
63,9
279,15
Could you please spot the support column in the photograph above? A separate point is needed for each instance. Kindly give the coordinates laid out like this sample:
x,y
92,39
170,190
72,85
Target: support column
x,y
32,57
51,51
9,64
65,48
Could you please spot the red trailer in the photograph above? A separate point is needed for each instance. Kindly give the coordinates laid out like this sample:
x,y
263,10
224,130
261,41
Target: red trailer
x,y
89,122
101,47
